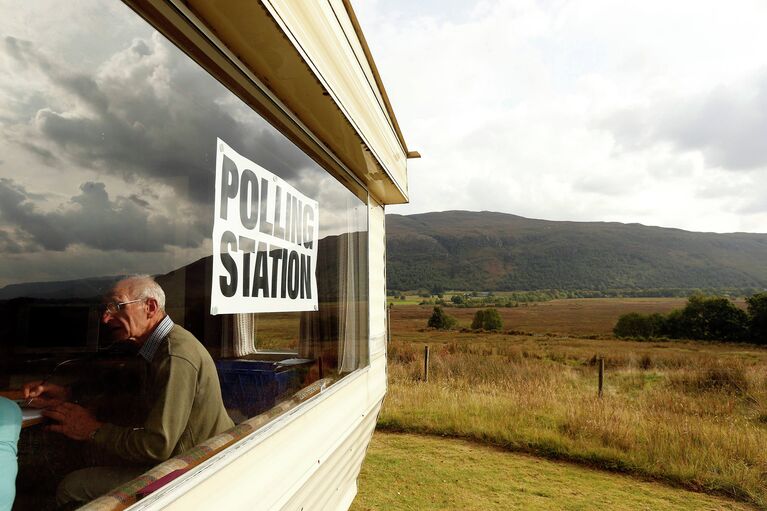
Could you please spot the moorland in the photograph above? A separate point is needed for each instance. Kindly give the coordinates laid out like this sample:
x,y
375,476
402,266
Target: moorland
x,y
688,413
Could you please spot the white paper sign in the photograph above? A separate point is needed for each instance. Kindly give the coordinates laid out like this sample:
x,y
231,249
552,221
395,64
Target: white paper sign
x,y
264,240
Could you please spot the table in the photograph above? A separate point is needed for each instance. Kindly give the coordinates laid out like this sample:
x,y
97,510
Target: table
x,y
29,416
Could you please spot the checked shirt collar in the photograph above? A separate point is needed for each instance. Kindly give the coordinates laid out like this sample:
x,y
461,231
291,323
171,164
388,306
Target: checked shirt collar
x,y
160,333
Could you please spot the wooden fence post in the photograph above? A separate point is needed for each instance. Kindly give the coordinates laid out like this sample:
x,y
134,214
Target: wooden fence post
x,y
426,363
601,374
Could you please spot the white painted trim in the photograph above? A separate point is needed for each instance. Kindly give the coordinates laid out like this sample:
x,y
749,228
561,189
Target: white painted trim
x,y
289,33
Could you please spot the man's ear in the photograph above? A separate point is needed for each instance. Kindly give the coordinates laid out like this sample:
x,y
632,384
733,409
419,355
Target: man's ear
x,y
152,307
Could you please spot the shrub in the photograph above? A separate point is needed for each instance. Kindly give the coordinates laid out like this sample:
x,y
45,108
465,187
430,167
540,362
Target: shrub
x,y
441,320
757,317
710,318
479,318
727,378
456,299
487,319
673,328
704,317
642,326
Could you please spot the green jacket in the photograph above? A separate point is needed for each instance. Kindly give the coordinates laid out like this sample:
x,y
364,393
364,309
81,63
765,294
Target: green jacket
x,y
184,402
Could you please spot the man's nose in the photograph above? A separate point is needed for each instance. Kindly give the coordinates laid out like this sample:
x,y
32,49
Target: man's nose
x,y
105,316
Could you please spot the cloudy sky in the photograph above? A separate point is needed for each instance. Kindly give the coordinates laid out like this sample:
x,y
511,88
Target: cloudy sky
x,y
651,112
107,151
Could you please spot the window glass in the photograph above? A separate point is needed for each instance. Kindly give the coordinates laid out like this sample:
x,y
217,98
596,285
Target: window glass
x,y
107,169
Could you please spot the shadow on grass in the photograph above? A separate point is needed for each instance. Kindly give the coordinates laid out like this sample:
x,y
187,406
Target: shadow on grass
x,y
556,452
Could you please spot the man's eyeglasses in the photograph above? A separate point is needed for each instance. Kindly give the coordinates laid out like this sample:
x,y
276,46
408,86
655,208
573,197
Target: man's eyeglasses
x,y
115,307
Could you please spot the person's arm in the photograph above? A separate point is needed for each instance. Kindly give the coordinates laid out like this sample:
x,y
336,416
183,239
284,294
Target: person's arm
x,y
74,421
175,389
41,394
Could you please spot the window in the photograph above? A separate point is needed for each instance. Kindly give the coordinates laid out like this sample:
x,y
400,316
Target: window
x,y
109,142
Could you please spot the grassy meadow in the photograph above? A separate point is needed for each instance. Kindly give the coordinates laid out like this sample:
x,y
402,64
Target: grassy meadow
x,y
691,414
459,474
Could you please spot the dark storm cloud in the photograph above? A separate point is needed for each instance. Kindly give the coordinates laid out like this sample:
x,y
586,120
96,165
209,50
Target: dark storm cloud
x,y
17,209
139,201
92,220
147,112
8,245
45,155
727,125
16,243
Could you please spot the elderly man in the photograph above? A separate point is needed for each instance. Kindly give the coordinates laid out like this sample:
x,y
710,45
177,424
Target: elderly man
x,y
182,394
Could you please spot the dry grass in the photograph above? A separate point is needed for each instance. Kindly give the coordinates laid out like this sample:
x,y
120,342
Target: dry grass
x,y
692,414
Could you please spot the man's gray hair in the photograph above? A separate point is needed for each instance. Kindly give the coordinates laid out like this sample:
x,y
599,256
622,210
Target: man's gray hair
x,y
144,286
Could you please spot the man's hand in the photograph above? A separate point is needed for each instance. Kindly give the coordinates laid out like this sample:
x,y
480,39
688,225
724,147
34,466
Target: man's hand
x,y
43,395
74,421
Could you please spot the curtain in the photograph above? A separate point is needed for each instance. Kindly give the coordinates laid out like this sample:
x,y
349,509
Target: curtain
x,y
337,332
238,339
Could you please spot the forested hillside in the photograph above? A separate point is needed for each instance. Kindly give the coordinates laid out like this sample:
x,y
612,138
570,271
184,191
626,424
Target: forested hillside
x,y
496,251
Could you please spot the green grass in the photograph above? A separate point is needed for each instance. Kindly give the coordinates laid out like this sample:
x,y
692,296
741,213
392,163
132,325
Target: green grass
x,y
413,473
690,414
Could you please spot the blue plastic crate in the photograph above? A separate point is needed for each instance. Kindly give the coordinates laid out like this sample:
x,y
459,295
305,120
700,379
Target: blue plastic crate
x,y
255,386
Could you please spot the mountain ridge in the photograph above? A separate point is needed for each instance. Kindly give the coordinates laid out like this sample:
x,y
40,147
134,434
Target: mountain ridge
x,y
500,251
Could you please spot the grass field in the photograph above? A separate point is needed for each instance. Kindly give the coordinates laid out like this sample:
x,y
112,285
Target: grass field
x,y
455,474
688,413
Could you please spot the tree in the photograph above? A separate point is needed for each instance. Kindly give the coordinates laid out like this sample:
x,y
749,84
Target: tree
x,y
441,320
479,319
672,326
437,289
711,318
757,317
643,326
487,319
456,299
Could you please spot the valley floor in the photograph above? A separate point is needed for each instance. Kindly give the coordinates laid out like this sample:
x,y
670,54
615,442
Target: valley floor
x,y
689,414
405,472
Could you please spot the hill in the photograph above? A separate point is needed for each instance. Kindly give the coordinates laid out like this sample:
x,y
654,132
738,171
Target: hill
x,y
497,251
92,287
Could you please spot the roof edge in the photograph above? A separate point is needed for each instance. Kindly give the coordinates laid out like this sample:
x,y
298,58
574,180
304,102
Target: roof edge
x,y
379,82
